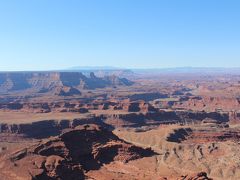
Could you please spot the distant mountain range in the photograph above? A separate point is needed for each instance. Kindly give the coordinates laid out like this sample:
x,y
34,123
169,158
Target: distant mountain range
x,y
102,71
192,69
108,70
189,70
94,68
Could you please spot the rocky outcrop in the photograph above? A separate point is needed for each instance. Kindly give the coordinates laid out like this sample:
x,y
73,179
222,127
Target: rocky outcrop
x,y
70,155
138,106
68,91
196,176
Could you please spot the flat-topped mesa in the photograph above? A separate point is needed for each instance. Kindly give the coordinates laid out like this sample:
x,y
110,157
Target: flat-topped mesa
x,y
43,82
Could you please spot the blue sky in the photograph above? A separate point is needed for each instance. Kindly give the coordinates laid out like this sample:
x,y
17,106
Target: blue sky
x,y
57,34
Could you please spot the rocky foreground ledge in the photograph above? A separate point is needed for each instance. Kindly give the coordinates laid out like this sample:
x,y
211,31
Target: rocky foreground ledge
x,y
76,154
70,155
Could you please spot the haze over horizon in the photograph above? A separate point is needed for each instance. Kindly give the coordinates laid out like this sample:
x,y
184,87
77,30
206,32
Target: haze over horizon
x,y
53,35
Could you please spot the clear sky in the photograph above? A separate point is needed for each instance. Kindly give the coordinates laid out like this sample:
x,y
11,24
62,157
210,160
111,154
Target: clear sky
x,y
57,34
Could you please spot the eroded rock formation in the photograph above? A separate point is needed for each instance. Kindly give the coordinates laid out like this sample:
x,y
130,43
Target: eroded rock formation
x,y
70,155
43,82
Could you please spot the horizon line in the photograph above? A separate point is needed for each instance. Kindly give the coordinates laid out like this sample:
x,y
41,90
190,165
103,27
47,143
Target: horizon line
x,y
88,68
